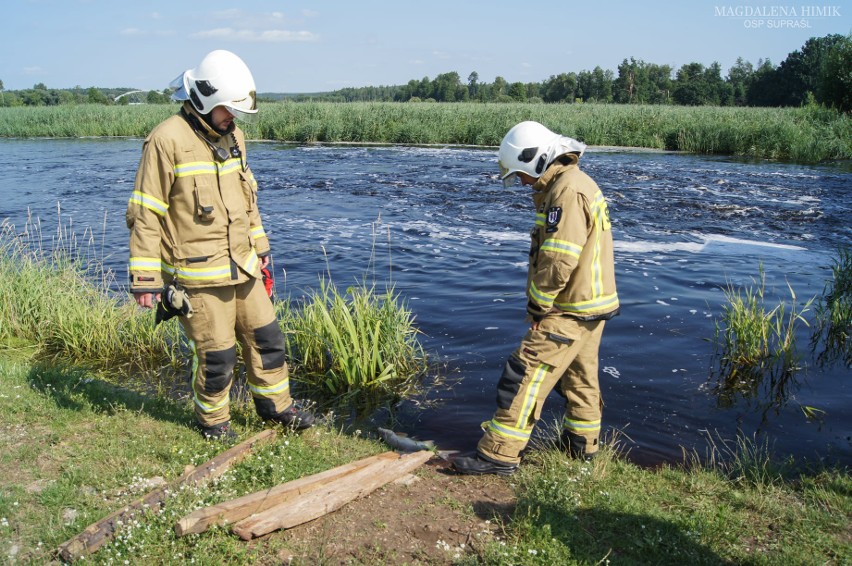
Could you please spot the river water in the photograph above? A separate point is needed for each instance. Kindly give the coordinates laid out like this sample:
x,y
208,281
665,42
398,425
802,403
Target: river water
x,y
437,224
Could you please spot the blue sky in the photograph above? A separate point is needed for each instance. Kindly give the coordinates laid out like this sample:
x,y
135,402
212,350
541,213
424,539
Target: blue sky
x,y
311,46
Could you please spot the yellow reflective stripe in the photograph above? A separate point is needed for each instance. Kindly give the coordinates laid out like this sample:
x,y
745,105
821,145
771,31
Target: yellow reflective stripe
x,y
532,393
541,298
149,202
258,232
282,385
590,305
509,432
251,263
204,407
195,168
203,273
539,218
600,212
561,247
581,426
230,166
145,264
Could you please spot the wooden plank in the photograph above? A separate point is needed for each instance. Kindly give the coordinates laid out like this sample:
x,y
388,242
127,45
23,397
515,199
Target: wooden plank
x,y
330,497
97,534
238,509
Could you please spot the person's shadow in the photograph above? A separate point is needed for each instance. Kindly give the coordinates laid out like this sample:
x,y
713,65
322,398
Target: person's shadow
x,y
600,536
76,388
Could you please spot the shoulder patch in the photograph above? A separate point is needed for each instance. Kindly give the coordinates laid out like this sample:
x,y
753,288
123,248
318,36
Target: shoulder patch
x,y
554,215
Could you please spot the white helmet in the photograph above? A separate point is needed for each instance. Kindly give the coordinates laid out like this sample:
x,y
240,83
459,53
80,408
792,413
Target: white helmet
x,y
221,79
529,148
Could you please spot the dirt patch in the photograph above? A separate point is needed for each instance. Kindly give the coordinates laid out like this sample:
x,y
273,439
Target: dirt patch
x,y
433,519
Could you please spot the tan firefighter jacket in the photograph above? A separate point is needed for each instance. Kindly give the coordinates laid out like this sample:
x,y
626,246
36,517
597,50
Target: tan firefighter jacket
x,y
571,270
192,216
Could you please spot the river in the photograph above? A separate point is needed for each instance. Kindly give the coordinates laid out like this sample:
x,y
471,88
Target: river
x,y
439,226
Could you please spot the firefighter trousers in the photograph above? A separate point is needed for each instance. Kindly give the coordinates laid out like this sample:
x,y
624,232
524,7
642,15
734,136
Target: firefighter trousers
x,y
561,351
221,316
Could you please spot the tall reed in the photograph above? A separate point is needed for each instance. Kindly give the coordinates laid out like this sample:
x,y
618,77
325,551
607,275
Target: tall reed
x,y
756,347
54,293
808,134
355,342
834,313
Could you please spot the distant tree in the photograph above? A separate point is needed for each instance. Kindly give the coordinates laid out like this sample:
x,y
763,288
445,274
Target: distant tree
x,y
517,91
473,84
498,88
740,77
445,87
560,88
595,85
763,90
835,83
802,70
641,82
696,85
94,96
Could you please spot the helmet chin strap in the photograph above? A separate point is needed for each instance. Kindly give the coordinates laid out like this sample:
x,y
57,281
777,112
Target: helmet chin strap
x,y
195,122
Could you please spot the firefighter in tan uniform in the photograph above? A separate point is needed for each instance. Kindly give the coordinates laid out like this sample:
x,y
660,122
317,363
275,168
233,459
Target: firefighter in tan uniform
x,y
571,293
195,228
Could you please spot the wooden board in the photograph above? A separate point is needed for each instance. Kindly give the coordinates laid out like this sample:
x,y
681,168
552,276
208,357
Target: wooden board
x,y
237,509
97,534
330,496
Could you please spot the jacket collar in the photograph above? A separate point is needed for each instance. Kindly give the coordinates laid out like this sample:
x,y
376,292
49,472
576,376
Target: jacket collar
x,y
560,164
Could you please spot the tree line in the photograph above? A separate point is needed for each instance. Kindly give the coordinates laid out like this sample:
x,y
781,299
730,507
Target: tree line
x,y
821,70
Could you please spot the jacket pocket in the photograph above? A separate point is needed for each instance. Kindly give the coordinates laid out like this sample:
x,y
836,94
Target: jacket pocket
x,y
205,200
249,190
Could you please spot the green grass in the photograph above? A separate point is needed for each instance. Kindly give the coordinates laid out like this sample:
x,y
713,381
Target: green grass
x,y
809,134
74,449
613,512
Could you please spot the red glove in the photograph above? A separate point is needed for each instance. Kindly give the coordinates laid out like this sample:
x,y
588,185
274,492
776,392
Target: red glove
x,y
268,281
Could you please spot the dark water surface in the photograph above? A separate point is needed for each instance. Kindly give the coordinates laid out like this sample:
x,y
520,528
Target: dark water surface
x,y
438,224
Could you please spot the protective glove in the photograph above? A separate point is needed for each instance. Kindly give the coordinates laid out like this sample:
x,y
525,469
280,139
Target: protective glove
x,y
174,302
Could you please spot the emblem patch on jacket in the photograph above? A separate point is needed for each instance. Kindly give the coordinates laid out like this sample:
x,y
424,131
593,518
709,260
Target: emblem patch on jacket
x,y
554,215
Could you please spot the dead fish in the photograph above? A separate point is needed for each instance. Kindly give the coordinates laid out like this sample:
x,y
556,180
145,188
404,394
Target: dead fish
x,y
403,443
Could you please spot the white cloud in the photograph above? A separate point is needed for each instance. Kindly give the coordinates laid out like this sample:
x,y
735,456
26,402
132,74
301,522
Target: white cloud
x,y
247,35
33,71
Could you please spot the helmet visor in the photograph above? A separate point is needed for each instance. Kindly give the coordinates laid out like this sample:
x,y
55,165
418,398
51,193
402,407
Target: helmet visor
x,y
507,176
245,109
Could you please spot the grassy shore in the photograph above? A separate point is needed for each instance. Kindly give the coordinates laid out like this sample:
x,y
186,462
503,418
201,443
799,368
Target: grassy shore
x,y
73,449
809,134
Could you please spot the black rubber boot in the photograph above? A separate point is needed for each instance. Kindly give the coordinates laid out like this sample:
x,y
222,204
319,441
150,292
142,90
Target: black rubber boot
x,y
222,432
294,418
478,466
575,446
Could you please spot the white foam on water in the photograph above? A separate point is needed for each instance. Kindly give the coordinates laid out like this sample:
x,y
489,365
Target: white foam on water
x,y
496,236
644,246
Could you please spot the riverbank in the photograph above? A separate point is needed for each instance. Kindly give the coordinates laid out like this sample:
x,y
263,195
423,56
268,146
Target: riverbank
x,y
809,134
75,449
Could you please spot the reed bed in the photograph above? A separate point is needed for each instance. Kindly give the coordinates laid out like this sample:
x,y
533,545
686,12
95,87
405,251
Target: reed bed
x,y
833,326
54,293
756,345
809,134
56,297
